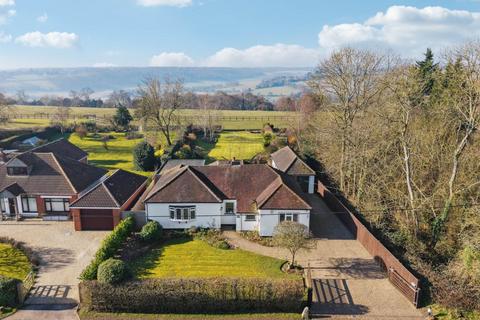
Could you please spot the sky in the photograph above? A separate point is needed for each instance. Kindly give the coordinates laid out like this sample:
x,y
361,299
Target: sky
x,y
223,33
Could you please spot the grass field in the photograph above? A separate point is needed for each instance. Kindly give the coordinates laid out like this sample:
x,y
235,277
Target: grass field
x,y
237,144
229,119
13,262
196,258
117,156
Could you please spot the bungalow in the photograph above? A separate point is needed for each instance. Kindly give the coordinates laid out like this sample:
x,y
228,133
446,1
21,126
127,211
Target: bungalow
x,y
287,161
244,197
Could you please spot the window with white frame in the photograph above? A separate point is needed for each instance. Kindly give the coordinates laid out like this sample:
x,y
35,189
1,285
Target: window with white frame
x,y
288,217
229,207
29,204
2,205
57,205
250,217
182,213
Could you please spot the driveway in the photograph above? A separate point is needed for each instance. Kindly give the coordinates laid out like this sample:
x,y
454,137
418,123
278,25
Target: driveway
x,y
347,281
63,254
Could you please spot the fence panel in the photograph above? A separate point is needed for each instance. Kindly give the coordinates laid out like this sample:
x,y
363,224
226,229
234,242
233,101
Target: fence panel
x,y
24,287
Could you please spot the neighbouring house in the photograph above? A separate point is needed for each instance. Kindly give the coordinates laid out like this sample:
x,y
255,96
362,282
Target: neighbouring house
x,y
43,184
64,148
186,162
100,206
246,197
286,160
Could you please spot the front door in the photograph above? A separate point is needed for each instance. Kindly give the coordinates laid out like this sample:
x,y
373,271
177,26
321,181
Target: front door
x,y
11,205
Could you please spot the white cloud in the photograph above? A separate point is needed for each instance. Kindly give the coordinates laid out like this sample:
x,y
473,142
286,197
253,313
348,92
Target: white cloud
x,y
408,30
43,18
51,39
104,65
171,59
278,55
5,16
169,3
4,38
4,3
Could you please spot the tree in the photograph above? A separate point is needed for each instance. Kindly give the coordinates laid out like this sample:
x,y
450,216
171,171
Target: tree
x,y
294,237
426,69
60,118
122,117
120,97
159,104
209,116
4,110
144,156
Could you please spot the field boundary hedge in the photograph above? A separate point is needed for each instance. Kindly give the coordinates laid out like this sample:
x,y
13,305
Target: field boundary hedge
x,y
194,295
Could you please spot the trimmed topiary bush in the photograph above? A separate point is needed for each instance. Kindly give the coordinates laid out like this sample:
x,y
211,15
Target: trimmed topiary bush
x,y
8,291
152,231
112,271
109,247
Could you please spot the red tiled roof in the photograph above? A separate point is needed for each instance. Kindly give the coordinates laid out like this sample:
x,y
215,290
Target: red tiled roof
x,y
286,160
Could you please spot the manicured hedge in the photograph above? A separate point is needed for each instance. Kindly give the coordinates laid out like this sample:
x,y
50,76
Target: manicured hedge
x,y
192,295
109,247
152,231
8,292
112,271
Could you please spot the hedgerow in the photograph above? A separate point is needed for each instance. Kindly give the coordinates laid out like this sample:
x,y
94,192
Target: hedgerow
x,y
109,247
8,291
194,295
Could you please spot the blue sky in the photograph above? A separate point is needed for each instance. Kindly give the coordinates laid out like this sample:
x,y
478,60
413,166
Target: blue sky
x,y
236,33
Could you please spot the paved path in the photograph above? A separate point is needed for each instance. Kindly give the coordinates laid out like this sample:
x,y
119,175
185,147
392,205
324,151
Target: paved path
x,y
347,281
63,254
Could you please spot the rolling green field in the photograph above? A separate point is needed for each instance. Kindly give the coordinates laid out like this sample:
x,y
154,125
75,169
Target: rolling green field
x,y
118,154
13,262
237,144
196,258
229,119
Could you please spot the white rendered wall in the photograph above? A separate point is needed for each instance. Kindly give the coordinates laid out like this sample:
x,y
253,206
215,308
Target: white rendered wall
x,y
269,219
207,215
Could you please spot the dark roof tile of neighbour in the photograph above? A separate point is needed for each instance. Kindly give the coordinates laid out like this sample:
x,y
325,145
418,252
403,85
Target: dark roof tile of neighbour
x,y
288,161
50,174
185,162
112,192
251,185
63,148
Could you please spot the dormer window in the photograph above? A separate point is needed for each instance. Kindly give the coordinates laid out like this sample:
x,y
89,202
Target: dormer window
x,y
17,171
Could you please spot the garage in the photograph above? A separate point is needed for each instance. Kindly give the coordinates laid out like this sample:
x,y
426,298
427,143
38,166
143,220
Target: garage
x,y
96,219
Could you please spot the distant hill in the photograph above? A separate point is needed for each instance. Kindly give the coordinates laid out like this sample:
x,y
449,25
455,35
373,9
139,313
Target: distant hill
x,y
38,82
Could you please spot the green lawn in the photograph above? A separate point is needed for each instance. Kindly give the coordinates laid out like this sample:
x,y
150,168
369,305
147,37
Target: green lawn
x,y
118,154
13,262
196,258
239,144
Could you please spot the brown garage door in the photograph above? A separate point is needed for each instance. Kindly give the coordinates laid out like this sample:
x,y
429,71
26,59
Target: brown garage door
x,y
96,219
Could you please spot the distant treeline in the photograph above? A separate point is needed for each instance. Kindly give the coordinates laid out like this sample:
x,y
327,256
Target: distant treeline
x,y
283,81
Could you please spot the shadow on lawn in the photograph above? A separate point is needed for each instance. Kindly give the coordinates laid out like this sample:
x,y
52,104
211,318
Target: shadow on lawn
x,y
142,266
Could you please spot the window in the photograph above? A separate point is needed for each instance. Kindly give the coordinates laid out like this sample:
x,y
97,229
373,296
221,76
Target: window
x,y
182,213
2,205
57,205
17,171
230,208
250,217
288,217
29,204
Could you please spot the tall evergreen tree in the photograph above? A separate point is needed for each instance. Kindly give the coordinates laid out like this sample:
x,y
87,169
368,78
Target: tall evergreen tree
x,y
123,117
427,69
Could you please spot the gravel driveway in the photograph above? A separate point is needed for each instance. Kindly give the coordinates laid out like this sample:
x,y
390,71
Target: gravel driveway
x,y
63,254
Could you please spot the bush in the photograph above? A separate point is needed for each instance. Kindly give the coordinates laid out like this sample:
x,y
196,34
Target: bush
x,y
144,157
213,237
152,231
112,271
192,295
8,292
254,236
109,247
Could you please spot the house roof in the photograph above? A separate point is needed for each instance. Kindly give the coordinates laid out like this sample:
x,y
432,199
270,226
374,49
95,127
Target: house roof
x,y
63,148
50,174
253,186
288,161
185,162
112,192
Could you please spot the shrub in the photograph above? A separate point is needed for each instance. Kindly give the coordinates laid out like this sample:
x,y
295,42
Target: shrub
x,y
112,271
152,231
144,156
109,247
213,237
212,295
8,291
254,236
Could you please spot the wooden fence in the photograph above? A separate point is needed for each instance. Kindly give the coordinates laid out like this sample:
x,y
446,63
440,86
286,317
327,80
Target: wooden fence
x,y
398,274
23,288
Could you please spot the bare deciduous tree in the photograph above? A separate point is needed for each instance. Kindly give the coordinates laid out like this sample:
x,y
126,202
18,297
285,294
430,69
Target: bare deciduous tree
x,y
294,237
209,116
159,104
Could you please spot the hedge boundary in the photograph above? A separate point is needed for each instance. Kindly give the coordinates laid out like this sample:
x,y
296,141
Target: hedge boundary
x,y
194,295
109,247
